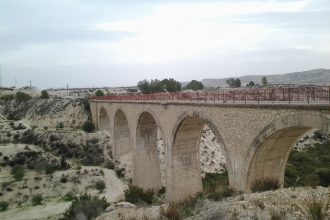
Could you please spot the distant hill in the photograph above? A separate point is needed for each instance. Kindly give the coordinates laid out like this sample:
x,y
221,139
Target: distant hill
x,y
317,76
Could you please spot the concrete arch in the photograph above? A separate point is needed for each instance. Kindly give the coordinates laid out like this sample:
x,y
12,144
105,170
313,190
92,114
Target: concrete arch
x,y
269,151
104,120
185,171
122,139
146,157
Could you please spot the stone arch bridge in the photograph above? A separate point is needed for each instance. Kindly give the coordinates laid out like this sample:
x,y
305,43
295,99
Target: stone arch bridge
x,y
256,132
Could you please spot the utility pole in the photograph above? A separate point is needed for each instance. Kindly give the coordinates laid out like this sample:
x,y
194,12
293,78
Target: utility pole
x,y
30,84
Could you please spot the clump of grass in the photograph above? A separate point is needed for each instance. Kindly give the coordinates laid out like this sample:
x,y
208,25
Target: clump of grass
x,y
265,184
99,185
69,197
182,209
135,194
277,214
315,208
85,207
172,212
259,203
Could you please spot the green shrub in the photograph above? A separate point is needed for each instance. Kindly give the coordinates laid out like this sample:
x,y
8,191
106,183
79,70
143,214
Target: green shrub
x,y
162,190
99,185
29,137
3,206
120,173
44,94
22,96
109,164
99,93
216,186
64,179
7,97
88,126
37,199
195,85
220,192
134,194
324,176
213,179
18,172
85,207
60,125
309,167
86,105
265,184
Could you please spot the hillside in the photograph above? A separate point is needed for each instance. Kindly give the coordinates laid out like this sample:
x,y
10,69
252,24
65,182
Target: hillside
x,y
316,76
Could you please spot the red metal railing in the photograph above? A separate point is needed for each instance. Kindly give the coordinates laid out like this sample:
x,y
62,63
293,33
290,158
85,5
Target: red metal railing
x,y
280,95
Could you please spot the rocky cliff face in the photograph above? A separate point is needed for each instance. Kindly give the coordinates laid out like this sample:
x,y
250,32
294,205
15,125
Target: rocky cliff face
x,y
46,112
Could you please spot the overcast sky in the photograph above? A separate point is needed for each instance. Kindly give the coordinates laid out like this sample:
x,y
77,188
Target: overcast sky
x,y
119,42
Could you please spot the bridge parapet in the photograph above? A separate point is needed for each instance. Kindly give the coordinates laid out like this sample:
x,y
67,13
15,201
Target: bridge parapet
x,y
303,95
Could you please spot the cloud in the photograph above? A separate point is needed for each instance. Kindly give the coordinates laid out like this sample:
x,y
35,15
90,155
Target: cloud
x,y
125,41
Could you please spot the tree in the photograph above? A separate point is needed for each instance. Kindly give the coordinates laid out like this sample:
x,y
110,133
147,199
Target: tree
x,y
234,83
156,86
144,86
195,85
264,81
171,85
251,84
22,96
44,94
99,93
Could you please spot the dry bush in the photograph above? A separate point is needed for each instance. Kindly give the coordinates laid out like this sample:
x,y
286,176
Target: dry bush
x,y
314,208
265,184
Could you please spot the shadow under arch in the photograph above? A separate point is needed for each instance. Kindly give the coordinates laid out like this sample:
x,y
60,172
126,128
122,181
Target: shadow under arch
x,y
147,172
269,152
104,120
185,172
122,135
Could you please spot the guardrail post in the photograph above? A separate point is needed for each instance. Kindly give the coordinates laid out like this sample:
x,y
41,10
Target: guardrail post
x,y
258,96
234,96
289,95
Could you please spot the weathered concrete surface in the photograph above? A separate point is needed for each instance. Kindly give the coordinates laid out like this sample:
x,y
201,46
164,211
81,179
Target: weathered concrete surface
x,y
255,139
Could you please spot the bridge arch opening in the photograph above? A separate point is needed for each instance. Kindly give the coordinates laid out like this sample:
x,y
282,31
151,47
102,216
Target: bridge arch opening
x,y
122,143
270,150
104,120
187,156
147,172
